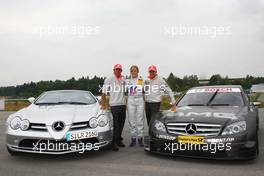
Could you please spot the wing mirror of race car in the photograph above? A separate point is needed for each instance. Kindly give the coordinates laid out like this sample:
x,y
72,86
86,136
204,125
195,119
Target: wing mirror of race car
x,y
31,99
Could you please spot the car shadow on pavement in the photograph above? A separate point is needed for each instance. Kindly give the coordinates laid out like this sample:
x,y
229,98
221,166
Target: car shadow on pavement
x,y
203,160
91,155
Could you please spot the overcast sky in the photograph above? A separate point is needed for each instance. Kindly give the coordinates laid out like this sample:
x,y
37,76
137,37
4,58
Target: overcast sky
x,y
49,40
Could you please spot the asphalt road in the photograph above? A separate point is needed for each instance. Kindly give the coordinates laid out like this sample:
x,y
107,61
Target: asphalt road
x,y
128,161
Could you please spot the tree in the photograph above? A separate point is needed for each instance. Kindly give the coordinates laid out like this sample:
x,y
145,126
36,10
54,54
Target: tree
x,y
216,80
172,82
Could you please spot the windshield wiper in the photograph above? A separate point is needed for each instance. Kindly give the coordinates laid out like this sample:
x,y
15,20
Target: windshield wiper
x,y
61,102
195,104
46,103
220,104
212,98
72,102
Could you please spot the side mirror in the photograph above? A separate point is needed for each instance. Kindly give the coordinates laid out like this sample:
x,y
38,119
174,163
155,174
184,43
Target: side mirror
x,y
31,99
256,104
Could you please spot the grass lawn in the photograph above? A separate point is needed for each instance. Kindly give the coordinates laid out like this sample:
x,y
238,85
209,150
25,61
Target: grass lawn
x,y
15,106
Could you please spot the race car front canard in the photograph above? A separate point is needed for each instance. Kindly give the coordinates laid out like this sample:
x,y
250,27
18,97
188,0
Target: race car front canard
x,y
212,89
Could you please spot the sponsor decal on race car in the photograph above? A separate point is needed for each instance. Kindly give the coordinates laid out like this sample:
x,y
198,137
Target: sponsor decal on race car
x,y
184,108
191,139
219,140
166,137
212,89
205,114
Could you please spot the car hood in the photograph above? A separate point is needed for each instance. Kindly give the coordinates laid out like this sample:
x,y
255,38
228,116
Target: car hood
x,y
207,114
66,113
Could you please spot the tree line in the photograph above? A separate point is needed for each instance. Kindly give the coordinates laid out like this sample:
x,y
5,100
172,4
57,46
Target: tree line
x,y
178,84
93,84
33,89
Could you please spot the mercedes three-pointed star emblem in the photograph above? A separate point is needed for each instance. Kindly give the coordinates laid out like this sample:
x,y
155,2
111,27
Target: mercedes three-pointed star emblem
x,y
58,126
190,128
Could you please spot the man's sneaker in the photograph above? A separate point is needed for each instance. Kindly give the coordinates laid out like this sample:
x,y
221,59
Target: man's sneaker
x,y
140,142
133,142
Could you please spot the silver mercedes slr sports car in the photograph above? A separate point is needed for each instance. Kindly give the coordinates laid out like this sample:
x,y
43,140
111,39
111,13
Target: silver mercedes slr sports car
x,y
59,122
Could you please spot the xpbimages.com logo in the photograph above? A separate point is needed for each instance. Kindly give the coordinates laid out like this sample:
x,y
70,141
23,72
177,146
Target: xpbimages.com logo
x,y
50,146
208,147
147,89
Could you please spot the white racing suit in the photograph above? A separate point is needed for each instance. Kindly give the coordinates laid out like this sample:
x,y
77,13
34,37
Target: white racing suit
x,y
135,107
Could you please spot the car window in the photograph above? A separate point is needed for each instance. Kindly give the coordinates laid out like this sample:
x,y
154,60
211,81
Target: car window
x,y
230,98
195,98
66,97
213,98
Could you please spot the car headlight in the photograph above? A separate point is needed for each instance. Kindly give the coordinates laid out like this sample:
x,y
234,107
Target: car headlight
x,y
93,122
24,125
102,120
235,128
17,123
159,126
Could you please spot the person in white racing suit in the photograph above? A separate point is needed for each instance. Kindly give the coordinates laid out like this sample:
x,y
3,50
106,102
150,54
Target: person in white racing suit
x,y
135,106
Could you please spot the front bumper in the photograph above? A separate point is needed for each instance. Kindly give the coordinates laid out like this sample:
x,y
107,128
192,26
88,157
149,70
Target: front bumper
x,y
47,145
238,149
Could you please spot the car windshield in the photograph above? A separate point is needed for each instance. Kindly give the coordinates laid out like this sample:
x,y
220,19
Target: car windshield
x,y
66,97
212,97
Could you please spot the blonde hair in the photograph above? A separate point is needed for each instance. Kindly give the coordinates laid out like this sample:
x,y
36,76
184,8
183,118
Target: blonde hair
x,y
134,67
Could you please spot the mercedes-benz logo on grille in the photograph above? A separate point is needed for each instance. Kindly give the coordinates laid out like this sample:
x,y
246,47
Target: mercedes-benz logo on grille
x,y
190,128
58,126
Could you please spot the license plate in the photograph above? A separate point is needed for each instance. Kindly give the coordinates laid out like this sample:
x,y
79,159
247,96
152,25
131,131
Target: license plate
x,y
71,136
191,139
